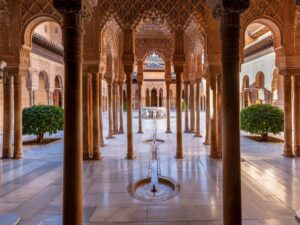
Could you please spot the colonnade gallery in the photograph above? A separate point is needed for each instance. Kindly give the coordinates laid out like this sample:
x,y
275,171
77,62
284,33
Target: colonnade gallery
x,y
151,112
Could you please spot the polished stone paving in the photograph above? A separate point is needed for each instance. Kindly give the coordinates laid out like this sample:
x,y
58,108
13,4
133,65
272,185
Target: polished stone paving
x,y
270,183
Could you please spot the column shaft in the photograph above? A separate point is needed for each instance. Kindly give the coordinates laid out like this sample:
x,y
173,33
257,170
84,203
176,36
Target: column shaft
x,y
72,183
198,110
179,153
232,203
101,112
192,106
219,114
168,108
18,151
140,108
7,116
288,150
186,102
207,113
121,130
130,150
297,115
115,107
96,119
213,120
110,111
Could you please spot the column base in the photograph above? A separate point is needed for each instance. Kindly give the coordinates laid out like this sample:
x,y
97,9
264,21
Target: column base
x,y
121,131
192,131
6,157
130,157
97,156
215,156
198,135
116,132
110,137
168,131
186,130
206,142
18,156
86,156
179,154
140,132
288,154
297,151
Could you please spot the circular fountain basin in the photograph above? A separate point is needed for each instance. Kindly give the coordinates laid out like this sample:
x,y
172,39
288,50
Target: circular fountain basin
x,y
143,189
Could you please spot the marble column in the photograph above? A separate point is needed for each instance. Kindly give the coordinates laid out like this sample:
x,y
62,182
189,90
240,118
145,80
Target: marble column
x,y
140,108
96,117
192,108
219,114
18,125
297,115
288,149
130,150
115,108
230,41
7,115
50,97
121,83
110,110
179,152
198,109
168,108
73,47
31,93
101,111
186,101
213,119
87,114
207,113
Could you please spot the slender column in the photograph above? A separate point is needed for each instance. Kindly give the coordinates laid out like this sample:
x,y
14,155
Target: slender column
x,y
101,111
96,115
110,110
179,153
73,48
87,137
297,115
288,150
130,151
31,97
7,116
198,109
213,119
219,114
140,108
18,151
121,130
168,108
192,106
207,113
230,41
50,98
186,101
115,107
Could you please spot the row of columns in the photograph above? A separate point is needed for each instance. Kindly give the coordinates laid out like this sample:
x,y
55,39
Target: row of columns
x,y
192,123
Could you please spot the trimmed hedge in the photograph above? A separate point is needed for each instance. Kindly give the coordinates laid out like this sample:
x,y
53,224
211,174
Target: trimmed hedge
x,y
41,119
262,119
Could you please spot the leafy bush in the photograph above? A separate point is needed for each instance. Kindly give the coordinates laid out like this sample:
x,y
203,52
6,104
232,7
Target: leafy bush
x,y
182,105
38,120
262,119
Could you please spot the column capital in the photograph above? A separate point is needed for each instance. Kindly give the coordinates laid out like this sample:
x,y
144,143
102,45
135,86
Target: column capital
x,y
82,7
239,6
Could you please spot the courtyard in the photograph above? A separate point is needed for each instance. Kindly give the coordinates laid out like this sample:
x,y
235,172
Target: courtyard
x,y
32,186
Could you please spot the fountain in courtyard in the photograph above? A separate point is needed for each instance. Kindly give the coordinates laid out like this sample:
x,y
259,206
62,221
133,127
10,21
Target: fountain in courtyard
x,y
154,112
155,187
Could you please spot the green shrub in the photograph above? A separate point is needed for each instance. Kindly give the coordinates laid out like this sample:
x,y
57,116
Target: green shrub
x,y
38,120
182,105
262,119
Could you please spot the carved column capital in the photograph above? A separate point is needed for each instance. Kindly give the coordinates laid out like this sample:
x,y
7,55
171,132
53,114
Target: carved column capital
x,y
82,7
238,6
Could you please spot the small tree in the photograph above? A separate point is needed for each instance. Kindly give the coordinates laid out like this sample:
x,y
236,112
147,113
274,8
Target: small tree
x,y
262,119
38,120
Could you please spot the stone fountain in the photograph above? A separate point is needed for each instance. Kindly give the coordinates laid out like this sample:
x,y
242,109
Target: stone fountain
x,y
155,187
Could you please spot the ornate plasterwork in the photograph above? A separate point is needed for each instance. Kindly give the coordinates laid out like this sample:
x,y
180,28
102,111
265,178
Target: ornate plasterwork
x,y
161,46
111,38
129,12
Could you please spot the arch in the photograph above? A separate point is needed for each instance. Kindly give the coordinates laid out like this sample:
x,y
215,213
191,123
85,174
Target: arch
x,y
41,95
246,94
28,27
154,95
259,80
246,82
147,98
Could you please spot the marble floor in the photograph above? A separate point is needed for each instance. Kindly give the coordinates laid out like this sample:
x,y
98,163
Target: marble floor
x,y
32,187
